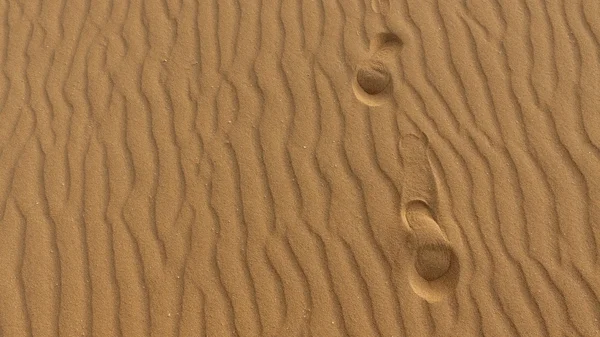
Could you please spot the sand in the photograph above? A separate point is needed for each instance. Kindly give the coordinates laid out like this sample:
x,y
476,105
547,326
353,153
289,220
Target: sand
x,y
300,168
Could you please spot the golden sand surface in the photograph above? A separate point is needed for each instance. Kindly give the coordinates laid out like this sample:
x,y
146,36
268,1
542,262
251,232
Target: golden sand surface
x,y
289,168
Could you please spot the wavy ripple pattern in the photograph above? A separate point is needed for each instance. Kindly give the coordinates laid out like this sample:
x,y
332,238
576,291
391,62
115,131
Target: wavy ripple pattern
x,y
214,168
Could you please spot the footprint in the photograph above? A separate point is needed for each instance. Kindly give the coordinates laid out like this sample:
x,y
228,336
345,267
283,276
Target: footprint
x,y
372,80
434,268
419,181
381,6
385,45
434,271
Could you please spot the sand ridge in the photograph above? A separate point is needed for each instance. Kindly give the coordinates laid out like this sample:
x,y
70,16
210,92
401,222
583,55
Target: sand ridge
x,y
299,168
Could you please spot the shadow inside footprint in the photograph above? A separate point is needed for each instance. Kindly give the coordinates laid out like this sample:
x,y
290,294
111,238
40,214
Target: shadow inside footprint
x,y
373,78
432,261
435,274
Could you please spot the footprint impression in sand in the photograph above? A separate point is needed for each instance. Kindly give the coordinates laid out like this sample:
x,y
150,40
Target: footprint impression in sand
x,y
372,81
381,6
434,267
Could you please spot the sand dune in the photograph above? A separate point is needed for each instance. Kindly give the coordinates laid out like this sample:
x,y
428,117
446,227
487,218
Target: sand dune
x,y
300,168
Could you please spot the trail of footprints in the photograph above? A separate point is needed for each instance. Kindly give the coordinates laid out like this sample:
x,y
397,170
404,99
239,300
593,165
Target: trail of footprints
x,y
434,268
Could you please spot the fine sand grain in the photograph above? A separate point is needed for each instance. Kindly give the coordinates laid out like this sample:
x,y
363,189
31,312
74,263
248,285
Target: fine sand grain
x,y
282,168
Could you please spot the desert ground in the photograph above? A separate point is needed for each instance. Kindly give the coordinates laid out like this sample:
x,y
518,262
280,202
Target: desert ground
x,y
289,168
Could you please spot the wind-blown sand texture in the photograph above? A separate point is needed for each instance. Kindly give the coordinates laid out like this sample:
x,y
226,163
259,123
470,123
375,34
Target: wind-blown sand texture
x,y
300,168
